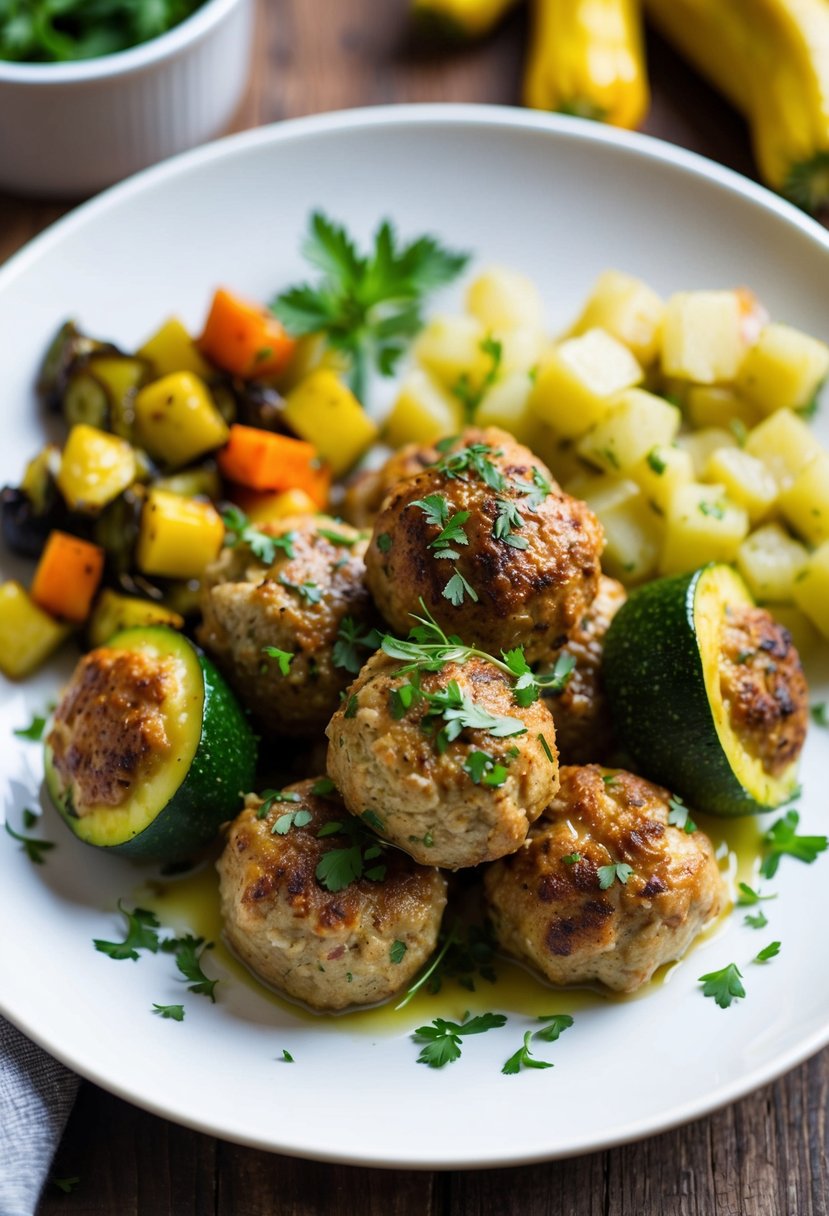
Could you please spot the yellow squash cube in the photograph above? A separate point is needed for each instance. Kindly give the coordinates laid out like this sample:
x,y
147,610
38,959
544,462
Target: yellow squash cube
x,y
113,612
177,421
635,424
172,349
661,471
712,405
265,506
811,589
423,412
784,369
94,469
579,379
178,537
702,336
632,529
805,503
770,561
28,635
701,526
785,444
746,479
629,310
503,299
325,412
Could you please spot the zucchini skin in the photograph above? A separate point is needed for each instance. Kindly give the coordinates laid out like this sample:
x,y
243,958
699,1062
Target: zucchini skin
x,y
655,682
209,794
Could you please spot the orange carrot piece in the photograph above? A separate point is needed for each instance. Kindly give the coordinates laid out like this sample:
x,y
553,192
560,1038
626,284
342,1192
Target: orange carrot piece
x,y
244,339
67,577
264,460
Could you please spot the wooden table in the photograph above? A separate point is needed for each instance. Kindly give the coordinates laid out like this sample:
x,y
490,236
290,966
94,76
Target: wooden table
x,y
764,1156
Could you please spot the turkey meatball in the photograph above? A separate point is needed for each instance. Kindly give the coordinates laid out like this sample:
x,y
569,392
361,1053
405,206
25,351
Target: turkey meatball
x,y
364,497
297,603
448,793
556,905
327,948
584,731
495,549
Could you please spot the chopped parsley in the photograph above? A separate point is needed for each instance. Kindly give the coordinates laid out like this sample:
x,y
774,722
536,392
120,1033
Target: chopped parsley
x,y
748,897
34,849
351,639
286,1057
442,1038
309,591
34,731
739,430
536,490
723,986
758,921
174,1012
508,518
524,1058
470,395
474,460
142,934
188,952
283,657
768,952
350,710
655,462
679,815
290,819
384,542
463,956
459,712
368,307
557,1023
618,872
570,859
338,868
457,587
397,952
270,797
484,770
781,840
819,714
240,531
715,509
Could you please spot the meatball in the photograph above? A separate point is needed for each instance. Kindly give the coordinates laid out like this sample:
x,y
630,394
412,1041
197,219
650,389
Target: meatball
x,y
763,687
299,604
551,905
328,949
449,794
584,730
495,549
364,497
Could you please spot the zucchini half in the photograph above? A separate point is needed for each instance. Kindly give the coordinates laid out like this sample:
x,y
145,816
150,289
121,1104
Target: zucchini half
x,y
661,673
191,790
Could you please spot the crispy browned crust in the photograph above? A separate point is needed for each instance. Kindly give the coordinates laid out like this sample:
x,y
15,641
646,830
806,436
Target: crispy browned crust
x,y
109,728
763,686
530,597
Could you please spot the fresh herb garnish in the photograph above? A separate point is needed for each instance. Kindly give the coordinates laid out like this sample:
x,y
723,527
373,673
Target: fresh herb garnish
x,y
715,509
474,460
240,531
290,819
557,1023
724,985
384,542
287,1058
351,706
368,307
351,639
483,769
524,1058
174,1012
457,587
308,590
747,896
283,657
188,952
508,518
547,750
618,872
782,840
34,731
463,956
679,815
758,921
443,1039
323,787
819,713
770,951
338,538
338,868
459,712
656,462
397,951
34,849
74,29
570,859
270,797
142,934
470,395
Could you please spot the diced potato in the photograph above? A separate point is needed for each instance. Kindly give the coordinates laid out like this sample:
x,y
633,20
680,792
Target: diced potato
x,y
28,635
628,309
811,589
701,445
503,299
576,384
804,635
521,350
785,444
450,347
558,454
638,422
262,507
713,405
95,468
746,479
805,503
701,526
770,561
506,405
172,349
325,412
113,612
702,338
176,420
423,412
178,537
784,369
661,472
632,530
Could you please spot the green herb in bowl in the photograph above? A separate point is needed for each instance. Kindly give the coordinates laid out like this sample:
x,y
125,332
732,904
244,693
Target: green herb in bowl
x,y
44,31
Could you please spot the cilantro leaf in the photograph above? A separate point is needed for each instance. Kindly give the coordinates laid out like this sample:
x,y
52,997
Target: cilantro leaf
x,y
524,1058
240,531
770,951
384,542
443,1038
367,306
557,1023
142,934
34,849
174,1012
283,657
34,731
435,507
782,840
724,986
618,872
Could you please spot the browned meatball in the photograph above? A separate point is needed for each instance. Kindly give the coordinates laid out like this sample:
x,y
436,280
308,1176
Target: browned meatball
x,y
298,604
364,496
498,553
450,799
584,730
550,908
330,949
763,686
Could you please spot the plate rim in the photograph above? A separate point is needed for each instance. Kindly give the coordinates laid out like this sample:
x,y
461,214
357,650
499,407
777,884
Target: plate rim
x,y
481,117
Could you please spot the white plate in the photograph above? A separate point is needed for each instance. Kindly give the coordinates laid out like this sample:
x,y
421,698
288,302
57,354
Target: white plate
x,y
560,200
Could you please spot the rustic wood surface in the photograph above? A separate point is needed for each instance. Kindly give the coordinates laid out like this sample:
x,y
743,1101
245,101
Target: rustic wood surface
x,y
765,1156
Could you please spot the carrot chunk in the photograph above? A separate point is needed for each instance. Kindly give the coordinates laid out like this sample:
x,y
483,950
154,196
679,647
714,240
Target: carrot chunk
x,y
244,339
263,460
67,577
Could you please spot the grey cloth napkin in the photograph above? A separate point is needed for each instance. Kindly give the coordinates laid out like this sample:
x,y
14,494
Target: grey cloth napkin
x,y
36,1096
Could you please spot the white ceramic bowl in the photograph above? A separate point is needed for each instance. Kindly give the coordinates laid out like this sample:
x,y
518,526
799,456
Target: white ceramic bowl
x,y
69,129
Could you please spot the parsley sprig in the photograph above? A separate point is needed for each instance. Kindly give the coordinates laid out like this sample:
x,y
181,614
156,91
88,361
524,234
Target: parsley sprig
x,y
367,306
188,952
724,986
338,868
34,731
33,848
524,1058
442,1038
240,531
473,460
466,953
142,934
782,840
351,639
